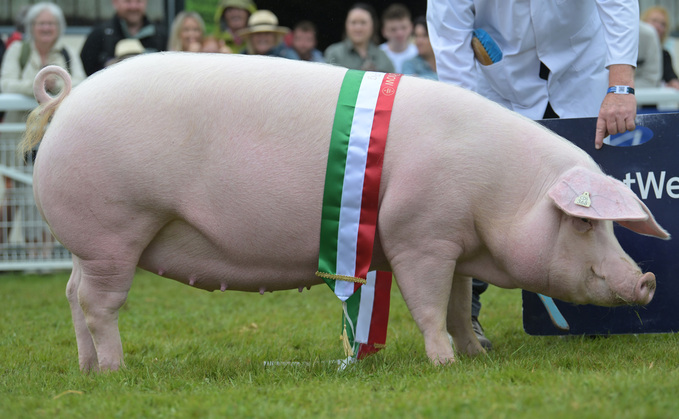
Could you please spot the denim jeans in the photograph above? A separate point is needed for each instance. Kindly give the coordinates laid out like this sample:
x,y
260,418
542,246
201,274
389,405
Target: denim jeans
x,y
478,287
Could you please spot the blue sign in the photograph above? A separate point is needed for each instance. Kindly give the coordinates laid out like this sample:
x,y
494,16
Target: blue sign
x,y
646,160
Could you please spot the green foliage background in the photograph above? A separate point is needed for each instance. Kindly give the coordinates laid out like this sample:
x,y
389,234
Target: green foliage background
x,y
206,9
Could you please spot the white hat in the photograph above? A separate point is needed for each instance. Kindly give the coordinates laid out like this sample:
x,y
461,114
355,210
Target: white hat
x,y
263,21
127,47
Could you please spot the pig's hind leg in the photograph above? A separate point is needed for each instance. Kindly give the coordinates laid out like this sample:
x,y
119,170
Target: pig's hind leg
x,y
102,288
87,354
459,317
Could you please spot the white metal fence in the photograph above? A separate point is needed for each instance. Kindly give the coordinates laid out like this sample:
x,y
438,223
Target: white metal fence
x,y
25,241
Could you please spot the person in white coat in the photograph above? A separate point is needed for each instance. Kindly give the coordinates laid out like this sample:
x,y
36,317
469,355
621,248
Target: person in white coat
x,y
579,47
567,58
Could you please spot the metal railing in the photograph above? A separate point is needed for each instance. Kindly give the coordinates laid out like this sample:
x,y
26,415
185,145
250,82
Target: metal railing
x,y
26,243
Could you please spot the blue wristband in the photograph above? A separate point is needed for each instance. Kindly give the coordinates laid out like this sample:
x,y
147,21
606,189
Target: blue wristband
x,y
621,90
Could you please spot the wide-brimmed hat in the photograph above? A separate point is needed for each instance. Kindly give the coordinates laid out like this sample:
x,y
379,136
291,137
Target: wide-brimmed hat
x,y
248,5
263,21
127,47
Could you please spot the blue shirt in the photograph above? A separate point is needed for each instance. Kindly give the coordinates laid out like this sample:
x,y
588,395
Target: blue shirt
x,y
316,55
419,67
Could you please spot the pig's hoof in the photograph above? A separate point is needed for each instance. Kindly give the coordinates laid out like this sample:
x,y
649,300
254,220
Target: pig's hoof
x,y
110,365
110,368
470,348
440,360
474,349
89,368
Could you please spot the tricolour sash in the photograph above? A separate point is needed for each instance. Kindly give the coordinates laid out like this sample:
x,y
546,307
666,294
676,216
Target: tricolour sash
x,y
350,204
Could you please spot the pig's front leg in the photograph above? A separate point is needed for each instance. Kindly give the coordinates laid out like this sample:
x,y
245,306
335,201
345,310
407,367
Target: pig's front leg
x,y
459,317
425,283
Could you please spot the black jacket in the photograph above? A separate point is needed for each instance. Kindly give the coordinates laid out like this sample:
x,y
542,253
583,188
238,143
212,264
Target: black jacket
x,y
101,43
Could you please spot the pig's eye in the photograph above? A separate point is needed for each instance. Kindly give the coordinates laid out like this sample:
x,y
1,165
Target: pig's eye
x,y
583,224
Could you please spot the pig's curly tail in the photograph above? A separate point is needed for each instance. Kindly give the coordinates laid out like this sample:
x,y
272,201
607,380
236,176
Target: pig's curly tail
x,y
40,116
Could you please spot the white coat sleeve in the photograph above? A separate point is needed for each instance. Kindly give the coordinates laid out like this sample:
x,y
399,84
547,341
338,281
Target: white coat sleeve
x,y
450,24
620,19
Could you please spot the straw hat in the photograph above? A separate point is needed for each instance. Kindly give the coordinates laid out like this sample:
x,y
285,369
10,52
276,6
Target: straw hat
x,y
248,5
263,21
127,47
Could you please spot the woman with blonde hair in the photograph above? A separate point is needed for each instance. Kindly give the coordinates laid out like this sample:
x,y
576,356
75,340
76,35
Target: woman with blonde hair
x,y
187,32
658,17
42,45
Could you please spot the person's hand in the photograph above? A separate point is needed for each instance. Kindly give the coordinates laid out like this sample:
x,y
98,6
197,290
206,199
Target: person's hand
x,y
618,111
674,83
616,115
195,47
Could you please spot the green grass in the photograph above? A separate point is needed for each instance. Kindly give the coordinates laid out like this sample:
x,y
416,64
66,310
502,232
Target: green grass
x,y
190,353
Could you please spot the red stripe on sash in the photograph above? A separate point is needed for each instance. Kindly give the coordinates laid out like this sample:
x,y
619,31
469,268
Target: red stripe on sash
x,y
380,317
377,336
373,174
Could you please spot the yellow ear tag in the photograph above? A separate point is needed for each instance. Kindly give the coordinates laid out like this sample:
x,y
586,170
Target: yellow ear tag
x,y
584,200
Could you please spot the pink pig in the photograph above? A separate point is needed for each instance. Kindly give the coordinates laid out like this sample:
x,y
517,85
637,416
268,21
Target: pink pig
x,y
209,169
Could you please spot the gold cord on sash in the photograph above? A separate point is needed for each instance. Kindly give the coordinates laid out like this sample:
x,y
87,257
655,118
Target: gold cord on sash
x,y
337,277
348,350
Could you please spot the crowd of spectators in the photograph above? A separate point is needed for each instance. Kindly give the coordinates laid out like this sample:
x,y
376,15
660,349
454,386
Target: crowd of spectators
x,y
38,41
393,43
239,28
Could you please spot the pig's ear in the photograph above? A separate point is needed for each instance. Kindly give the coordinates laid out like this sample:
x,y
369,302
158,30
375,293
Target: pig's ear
x,y
580,192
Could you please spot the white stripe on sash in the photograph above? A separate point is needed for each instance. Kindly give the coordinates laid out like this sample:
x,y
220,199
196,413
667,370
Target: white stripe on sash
x,y
365,310
352,189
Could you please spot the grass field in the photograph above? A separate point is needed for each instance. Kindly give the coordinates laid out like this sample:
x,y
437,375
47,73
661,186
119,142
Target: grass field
x,y
194,354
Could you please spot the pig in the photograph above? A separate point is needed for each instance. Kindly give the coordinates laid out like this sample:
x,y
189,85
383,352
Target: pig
x,y
209,170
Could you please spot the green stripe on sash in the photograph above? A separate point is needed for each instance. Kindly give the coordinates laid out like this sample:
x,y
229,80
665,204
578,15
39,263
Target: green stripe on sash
x,y
334,178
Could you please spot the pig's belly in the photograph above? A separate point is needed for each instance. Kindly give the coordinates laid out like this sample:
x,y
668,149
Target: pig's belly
x,y
187,255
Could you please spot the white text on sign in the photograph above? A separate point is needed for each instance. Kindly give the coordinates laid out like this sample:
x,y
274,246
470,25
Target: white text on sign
x,y
652,184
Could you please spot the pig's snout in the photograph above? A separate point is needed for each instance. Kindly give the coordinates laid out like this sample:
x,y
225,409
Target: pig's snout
x,y
645,289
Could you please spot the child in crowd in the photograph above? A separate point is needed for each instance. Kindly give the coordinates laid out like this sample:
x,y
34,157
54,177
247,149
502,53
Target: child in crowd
x,y
396,29
303,43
